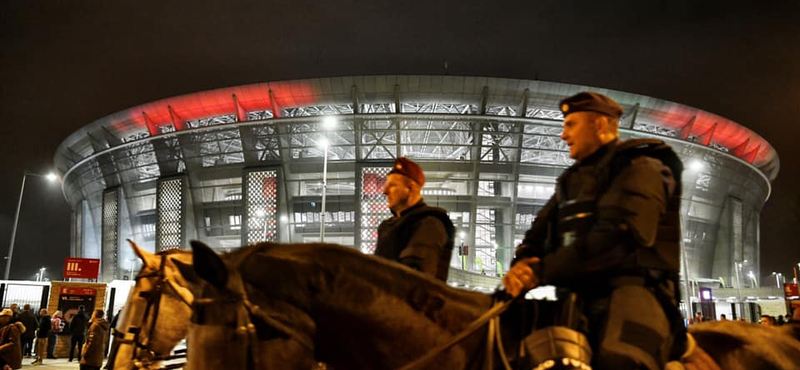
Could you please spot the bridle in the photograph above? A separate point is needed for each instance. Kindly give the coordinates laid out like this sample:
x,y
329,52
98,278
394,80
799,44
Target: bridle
x,y
244,311
143,355
235,294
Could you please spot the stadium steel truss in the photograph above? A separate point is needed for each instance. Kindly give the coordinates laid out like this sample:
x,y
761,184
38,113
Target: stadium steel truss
x,y
244,164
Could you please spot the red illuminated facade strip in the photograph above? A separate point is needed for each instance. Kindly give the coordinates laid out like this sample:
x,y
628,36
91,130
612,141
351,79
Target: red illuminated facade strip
x,y
239,100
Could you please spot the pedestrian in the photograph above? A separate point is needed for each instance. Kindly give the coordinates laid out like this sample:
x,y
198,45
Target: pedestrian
x,y
610,236
15,310
42,332
56,326
10,340
77,331
114,344
767,320
28,318
698,317
722,317
417,235
94,349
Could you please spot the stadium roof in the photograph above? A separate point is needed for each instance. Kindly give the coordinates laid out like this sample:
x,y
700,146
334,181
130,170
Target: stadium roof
x,y
479,95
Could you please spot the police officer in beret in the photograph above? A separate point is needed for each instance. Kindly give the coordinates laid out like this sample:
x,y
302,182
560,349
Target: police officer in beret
x,y
610,235
418,236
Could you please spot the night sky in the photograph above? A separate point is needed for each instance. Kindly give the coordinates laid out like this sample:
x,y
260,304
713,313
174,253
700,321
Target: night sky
x,y
64,64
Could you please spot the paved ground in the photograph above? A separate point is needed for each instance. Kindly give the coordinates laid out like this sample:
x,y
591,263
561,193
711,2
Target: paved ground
x,y
59,364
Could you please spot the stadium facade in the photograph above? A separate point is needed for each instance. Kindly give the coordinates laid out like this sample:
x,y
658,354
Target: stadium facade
x,y
244,164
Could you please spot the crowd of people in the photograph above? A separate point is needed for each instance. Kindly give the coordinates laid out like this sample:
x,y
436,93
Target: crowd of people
x,y
20,330
766,320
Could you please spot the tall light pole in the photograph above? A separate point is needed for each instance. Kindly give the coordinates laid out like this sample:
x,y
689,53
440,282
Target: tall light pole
x,y
778,279
328,123
324,142
41,273
50,177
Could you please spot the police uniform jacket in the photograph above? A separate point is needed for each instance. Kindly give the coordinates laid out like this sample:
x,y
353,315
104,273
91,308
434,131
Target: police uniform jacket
x,y
421,238
613,213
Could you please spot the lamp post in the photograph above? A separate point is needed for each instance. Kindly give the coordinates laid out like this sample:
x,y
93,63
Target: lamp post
x,y
50,177
328,123
41,273
325,144
778,278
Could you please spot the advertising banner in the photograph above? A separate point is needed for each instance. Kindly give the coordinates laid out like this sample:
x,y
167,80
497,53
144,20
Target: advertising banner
x,y
83,268
69,299
790,290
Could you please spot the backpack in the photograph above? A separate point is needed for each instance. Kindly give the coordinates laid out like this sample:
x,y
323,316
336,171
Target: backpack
x,y
56,325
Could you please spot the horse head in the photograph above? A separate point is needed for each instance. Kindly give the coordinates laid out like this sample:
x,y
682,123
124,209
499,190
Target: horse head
x,y
157,314
226,321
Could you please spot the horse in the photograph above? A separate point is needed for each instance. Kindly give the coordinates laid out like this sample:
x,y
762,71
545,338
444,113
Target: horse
x,y
289,306
156,315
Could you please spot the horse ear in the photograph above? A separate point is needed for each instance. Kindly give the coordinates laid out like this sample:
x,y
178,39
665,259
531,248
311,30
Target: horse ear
x,y
145,256
208,265
187,271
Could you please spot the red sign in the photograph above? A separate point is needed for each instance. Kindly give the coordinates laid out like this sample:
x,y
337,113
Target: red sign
x,y
790,290
84,268
78,291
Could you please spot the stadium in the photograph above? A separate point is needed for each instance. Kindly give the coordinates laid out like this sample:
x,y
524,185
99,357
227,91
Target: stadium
x,y
296,161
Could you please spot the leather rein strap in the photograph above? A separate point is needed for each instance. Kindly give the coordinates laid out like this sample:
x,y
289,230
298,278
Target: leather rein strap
x,y
491,315
153,298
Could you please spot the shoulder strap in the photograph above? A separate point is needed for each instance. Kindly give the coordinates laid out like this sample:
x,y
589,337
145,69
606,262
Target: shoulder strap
x,y
652,148
626,151
428,211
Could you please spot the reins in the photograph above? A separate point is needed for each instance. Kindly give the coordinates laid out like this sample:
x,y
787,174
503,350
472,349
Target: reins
x,y
236,293
492,317
153,298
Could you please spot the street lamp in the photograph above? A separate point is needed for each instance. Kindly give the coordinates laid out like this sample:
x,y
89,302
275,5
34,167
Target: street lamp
x,y
778,277
328,123
324,143
50,177
696,166
753,277
41,273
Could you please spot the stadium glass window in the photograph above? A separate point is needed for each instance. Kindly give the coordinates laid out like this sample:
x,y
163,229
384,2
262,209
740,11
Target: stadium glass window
x,y
235,222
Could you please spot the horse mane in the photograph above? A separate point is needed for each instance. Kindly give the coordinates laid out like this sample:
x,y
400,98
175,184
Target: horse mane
x,y
326,263
326,290
739,345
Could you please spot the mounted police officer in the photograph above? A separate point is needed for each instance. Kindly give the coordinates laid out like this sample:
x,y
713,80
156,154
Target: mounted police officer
x,y
610,235
418,236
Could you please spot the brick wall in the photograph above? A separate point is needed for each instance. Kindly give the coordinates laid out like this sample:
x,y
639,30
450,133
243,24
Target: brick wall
x,y
62,345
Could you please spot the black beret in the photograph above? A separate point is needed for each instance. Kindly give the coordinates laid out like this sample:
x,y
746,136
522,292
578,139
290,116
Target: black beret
x,y
590,102
408,168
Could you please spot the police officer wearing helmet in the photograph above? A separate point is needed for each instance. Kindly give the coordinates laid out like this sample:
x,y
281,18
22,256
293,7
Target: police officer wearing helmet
x,y
418,236
610,234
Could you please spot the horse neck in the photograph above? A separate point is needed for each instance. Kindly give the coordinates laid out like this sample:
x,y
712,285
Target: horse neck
x,y
358,309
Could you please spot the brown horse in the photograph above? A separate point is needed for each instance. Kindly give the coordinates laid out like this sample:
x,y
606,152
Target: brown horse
x,y
156,315
289,306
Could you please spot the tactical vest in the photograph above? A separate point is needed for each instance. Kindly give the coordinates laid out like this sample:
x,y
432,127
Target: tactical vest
x,y
394,236
571,219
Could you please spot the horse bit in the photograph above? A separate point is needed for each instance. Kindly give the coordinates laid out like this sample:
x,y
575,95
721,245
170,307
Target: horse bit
x,y
153,298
